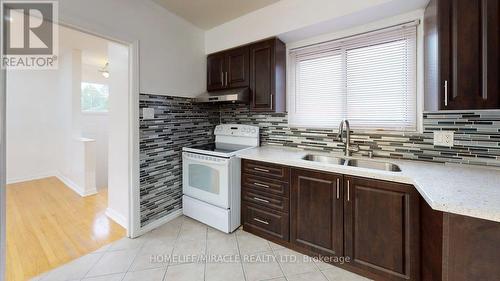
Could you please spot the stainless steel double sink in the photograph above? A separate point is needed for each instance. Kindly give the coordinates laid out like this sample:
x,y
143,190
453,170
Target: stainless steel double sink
x,y
361,163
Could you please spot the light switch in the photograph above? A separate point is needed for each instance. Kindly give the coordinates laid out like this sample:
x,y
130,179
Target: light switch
x,y
444,138
148,113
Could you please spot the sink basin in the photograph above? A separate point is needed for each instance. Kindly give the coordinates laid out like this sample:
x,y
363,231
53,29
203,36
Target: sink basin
x,y
361,163
376,165
324,159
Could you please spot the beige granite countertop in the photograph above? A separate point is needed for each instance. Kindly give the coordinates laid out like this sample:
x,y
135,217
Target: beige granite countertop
x,y
465,190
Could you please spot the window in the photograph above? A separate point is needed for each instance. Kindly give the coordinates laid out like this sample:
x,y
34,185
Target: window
x,y
369,79
94,97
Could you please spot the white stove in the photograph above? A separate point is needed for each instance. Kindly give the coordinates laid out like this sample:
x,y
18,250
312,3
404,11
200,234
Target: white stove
x,y
211,177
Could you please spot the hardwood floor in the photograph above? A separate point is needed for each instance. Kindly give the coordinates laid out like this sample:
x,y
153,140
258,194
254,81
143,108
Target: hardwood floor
x,y
49,225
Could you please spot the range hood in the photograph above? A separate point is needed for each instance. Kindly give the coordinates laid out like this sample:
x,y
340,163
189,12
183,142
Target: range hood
x,y
233,95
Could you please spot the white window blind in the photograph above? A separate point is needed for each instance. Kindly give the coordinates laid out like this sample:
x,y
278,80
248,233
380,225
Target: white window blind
x,y
368,79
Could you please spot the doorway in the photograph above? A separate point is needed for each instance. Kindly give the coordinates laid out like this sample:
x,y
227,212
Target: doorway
x,y
67,139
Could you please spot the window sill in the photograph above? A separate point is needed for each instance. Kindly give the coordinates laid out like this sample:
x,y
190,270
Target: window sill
x,y
95,113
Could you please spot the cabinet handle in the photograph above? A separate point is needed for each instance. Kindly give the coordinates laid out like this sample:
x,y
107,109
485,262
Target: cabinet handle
x,y
226,79
445,92
484,28
261,221
260,200
222,78
261,170
348,190
338,188
261,185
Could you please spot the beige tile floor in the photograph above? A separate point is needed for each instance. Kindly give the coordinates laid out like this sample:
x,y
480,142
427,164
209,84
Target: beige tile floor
x,y
177,247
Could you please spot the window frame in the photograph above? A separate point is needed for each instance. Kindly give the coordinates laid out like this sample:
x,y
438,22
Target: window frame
x,y
413,18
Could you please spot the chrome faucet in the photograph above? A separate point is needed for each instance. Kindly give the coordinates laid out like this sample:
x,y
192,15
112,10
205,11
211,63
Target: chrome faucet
x,y
347,150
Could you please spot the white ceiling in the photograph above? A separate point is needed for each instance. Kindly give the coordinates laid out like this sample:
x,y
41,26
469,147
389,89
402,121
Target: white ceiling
x,y
94,49
207,14
386,11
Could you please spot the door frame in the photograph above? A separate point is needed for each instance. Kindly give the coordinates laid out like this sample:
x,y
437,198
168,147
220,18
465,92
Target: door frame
x,y
3,175
133,221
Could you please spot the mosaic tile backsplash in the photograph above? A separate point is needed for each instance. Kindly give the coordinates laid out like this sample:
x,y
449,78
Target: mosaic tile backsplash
x,y
177,123
477,136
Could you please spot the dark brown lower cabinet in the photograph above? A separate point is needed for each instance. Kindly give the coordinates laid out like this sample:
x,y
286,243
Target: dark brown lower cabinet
x,y
471,249
265,200
381,228
384,230
274,225
316,212
459,248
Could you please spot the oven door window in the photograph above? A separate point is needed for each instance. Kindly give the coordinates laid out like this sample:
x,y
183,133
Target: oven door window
x,y
204,177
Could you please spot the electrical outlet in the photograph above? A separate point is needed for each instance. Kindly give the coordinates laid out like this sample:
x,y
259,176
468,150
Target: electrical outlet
x,y
148,113
444,138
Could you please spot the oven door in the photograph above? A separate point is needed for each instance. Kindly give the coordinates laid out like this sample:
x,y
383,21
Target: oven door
x,y
206,178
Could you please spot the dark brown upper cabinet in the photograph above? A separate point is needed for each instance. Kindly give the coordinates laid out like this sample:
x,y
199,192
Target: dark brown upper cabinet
x,y
237,65
317,212
462,62
381,228
228,69
261,66
268,76
215,72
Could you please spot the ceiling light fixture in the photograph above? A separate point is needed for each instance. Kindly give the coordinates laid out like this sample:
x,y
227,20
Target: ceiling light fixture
x,y
104,71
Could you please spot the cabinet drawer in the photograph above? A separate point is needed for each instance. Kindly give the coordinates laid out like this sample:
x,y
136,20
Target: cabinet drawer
x,y
268,186
277,203
266,170
269,223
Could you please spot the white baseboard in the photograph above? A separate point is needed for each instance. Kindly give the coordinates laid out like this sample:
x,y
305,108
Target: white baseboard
x,y
75,187
159,222
32,177
69,183
117,217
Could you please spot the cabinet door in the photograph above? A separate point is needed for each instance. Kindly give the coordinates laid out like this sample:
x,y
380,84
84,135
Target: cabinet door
x,y
215,72
471,248
382,228
316,212
491,61
470,62
237,68
262,76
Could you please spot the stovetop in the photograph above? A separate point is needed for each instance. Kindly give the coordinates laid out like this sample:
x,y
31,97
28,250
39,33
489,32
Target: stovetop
x,y
217,149
213,147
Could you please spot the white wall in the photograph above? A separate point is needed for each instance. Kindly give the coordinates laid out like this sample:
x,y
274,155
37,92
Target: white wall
x,y
91,73
278,18
172,53
76,154
96,126
31,123
119,132
46,126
